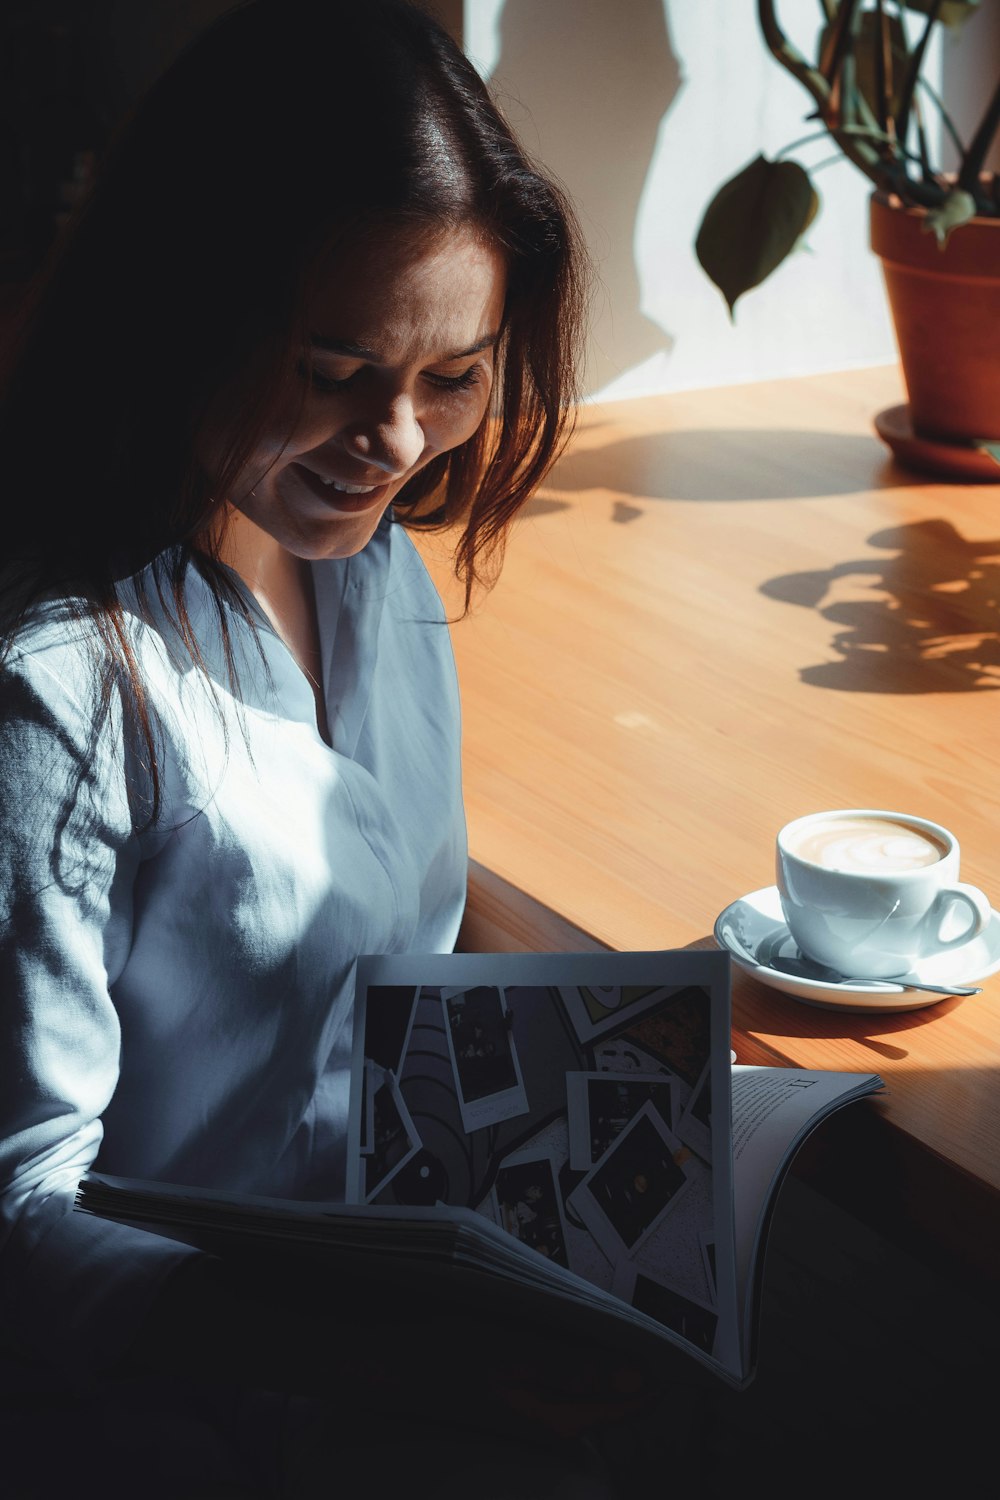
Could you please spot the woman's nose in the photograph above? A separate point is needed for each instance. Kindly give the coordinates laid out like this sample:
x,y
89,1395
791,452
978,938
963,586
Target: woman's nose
x,y
391,439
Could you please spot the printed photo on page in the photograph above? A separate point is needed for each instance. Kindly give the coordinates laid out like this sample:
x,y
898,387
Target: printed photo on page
x,y
394,1137
488,1081
600,1105
695,1124
528,1204
634,1185
596,1009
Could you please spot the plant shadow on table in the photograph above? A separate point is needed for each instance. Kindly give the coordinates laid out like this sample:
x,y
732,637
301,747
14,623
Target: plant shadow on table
x,y
924,617
754,464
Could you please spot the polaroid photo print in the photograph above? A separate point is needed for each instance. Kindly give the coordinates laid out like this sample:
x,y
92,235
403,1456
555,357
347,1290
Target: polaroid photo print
x,y
368,1086
633,1187
600,1105
695,1124
685,1315
394,1136
527,1203
389,1013
678,1032
487,1071
596,1009
707,1242
619,1054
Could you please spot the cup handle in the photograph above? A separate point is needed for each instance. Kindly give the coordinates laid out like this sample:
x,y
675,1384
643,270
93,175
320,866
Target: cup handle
x,y
975,902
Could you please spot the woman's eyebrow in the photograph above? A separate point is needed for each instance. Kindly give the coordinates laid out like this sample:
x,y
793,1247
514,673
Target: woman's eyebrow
x,y
340,346
330,345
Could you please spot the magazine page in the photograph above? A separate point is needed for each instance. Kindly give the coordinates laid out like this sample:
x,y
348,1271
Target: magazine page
x,y
579,1102
773,1110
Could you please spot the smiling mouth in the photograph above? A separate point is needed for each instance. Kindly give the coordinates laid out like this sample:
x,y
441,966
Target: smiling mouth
x,y
346,489
338,495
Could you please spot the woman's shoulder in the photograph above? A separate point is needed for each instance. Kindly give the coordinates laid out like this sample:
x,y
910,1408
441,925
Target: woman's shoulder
x,y
67,633
64,649
57,640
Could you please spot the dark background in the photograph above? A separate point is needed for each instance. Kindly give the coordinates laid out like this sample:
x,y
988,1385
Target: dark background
x,y
69,70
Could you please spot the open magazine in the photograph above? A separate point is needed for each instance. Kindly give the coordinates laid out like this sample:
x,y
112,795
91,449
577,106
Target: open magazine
x,y
558,1134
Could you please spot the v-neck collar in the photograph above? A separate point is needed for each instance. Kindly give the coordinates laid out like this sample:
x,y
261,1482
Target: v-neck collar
x,y
350,599
350,595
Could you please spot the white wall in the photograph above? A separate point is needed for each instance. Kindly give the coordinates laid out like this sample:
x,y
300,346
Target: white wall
x,y
644,108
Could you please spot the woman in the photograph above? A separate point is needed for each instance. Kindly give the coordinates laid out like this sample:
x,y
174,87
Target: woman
x,y
318,296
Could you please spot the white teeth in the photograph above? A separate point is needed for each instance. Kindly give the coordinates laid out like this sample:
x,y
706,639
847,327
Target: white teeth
x,y
350,489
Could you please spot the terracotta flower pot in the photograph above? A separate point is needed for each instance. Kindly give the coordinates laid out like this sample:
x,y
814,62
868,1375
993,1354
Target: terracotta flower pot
x,y
945,306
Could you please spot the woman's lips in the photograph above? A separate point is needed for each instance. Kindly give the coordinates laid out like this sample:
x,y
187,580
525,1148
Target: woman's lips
x,y
333,498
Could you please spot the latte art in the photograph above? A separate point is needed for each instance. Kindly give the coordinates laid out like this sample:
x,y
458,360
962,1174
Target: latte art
x,y
868,846
872,893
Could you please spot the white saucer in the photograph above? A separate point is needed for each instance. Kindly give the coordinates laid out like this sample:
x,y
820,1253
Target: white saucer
x,y
755,924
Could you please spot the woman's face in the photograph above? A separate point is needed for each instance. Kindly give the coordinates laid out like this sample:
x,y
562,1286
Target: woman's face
x,y
399,370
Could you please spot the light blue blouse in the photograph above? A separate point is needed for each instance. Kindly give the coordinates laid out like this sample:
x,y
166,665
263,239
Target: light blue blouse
x,y
175,1004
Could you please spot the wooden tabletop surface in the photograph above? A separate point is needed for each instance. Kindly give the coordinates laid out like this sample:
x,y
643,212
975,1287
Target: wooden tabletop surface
x,y
727,608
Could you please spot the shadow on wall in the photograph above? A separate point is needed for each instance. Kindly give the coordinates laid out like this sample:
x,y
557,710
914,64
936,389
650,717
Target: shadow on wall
x,y
596,81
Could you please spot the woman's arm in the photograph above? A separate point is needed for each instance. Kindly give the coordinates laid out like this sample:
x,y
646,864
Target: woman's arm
x,y
70,1285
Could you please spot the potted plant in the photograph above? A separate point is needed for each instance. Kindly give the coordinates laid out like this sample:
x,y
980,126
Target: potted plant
x,y
937,232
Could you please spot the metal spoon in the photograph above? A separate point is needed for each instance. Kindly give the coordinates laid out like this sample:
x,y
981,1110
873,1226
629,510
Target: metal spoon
x,y
767,955
804,968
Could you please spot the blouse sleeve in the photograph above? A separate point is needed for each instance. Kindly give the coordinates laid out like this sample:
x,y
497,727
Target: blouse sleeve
x,y
72,1287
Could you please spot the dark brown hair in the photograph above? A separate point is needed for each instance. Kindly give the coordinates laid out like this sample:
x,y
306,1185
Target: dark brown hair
x,y
286,127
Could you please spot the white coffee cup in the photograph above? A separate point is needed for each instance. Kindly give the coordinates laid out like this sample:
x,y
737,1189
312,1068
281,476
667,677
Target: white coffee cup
x,y
871,893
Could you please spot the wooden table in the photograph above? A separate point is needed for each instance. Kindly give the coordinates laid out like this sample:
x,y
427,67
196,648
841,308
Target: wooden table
x,y
726,608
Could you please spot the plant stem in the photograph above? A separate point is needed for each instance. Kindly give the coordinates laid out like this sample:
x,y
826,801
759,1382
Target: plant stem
x,y
877,146
883,69
807,140
925,156
812,79
972,165
828,161
946,119
913,71
790,57
835,54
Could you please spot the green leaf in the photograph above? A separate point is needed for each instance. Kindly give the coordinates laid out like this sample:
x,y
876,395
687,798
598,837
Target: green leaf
x,y
958,208
753,223
953,12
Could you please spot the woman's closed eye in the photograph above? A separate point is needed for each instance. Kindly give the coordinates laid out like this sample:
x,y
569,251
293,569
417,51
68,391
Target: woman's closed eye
x,y
321,381
468,378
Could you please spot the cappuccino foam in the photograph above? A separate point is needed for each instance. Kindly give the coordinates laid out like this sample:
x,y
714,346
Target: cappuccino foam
x,y
867,846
